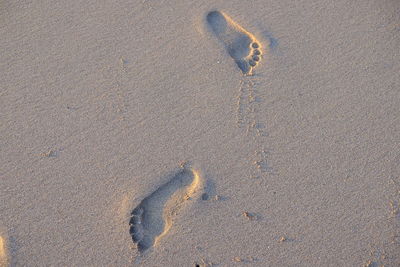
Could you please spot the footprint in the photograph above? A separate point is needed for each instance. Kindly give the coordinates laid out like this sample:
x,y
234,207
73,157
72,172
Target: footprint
x,y
153,217
241,45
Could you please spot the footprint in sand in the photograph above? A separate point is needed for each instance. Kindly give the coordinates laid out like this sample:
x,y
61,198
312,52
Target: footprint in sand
x,y
153,217
241,45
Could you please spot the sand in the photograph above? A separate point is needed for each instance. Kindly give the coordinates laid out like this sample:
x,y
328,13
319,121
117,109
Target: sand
x,y
209,133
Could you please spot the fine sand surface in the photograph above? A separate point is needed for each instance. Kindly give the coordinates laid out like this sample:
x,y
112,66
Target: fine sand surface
x,y
200,133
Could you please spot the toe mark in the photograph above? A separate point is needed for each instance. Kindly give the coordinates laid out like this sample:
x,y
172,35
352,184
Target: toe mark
x,y
138,211
255,45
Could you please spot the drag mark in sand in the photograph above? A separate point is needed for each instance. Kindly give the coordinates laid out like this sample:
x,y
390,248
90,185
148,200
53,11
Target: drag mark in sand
x,y
240,44
153,217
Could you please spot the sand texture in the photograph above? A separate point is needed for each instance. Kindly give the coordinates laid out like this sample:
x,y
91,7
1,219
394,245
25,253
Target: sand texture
x,y
200,133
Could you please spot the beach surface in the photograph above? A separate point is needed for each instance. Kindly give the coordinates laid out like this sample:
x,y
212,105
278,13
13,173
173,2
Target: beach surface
x,y
200,133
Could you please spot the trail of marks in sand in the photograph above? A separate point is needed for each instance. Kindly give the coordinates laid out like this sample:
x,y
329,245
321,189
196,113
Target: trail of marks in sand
x,y
153,217
240,44
247,106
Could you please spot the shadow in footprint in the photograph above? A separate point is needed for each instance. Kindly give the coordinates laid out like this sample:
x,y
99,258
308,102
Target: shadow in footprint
x,y
239,43
151,218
